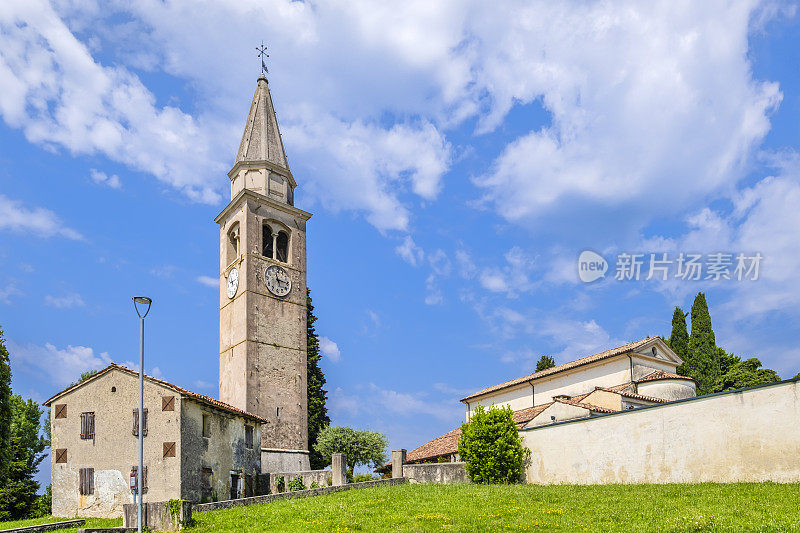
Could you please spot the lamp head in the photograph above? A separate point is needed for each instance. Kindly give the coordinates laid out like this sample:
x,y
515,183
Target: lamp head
x,y
144,301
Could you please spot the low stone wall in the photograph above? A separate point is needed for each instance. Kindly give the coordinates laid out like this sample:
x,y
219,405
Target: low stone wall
x,y
291,495
45,527
320,477
158,516
436,473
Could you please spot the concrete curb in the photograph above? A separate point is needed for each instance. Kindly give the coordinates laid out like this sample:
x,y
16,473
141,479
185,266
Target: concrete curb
x,y
308,493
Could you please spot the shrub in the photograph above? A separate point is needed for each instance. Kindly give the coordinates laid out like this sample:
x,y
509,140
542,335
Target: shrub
x,y
358,478
314,485
296,484
491,446
281,484
329,481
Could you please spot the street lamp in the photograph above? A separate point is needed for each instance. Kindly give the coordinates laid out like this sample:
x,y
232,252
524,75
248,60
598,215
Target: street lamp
x,y
145,302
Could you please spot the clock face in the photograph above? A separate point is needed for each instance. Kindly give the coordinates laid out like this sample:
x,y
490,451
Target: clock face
x,y
278,281
233,282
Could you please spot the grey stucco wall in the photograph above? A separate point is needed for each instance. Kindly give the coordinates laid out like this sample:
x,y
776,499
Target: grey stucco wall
x,y
436,473
747,435
321,477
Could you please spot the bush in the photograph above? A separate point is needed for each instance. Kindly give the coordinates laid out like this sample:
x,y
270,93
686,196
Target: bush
x,y
314,485
358,478
296,484
281,484
491,446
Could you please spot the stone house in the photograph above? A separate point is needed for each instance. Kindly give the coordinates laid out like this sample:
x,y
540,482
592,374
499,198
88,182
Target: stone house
x,y
195,447
627,377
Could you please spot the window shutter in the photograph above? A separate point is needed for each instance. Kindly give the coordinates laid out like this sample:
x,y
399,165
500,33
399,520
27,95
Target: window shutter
x,y
61,410
136,422
90,475
168,403
61,455
169,449
144,479
86,481
84,431
90,424
144,422
82,481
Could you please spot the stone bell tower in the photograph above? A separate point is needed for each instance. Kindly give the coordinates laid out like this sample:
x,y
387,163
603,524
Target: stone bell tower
x,y
262,309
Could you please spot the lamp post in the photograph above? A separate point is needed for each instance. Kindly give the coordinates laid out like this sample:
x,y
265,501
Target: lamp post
x,y
145,302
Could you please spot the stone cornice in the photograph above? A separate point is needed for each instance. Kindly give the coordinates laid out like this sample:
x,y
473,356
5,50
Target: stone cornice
x,y
261,163
247,193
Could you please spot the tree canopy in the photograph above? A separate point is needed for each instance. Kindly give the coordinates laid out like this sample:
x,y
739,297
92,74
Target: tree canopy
x,y
5,408
544,363
317,396
366,448
491,446
746,374
679,338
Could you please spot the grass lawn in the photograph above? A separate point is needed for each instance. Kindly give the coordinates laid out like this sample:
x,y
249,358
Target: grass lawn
x,y
629,508
90,522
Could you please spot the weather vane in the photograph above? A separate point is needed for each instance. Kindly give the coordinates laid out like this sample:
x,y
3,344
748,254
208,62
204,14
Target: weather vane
x,y
262,53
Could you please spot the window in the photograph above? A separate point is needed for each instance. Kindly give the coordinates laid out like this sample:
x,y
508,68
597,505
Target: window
x,y
266,241
248,436
282,247
136,423
135,477
86,481
235,493
207,480
249,486
87,426
207,426
169,449
61,410
61,455
232,252
168,403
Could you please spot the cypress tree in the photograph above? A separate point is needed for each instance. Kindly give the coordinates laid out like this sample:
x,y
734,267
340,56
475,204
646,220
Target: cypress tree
x,y
702,350
679,338
544,363
5,410
317,412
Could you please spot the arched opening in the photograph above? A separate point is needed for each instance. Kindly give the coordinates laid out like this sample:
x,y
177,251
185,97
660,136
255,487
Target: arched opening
x,y
266,241
282,247
233,244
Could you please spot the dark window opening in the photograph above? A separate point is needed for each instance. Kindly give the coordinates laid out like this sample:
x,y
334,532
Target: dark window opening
x,y
136,423
113,389
86,479
282,252
278,412
234,486
207,426
266,241
249,486
206,481
248,436
87,426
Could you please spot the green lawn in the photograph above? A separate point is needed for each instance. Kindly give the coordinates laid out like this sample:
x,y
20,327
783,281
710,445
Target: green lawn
x,y
90,522
629,508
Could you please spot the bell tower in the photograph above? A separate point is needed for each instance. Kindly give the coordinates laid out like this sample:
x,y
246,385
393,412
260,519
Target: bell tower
x,y
262,309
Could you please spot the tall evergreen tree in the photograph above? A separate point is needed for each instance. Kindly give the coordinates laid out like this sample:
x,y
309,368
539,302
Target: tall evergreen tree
x,y
5,410
317,411
545,362
703,357
679,338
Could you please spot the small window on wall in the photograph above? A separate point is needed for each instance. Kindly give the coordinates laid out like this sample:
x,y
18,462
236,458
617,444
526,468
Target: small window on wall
x,y
136,423
206,480
282,251
248,436
233,244
61,410
168,403
266,241
87,426
86,481
207,426
61,455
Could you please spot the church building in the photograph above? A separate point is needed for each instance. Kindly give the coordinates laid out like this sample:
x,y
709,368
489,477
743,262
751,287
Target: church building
x,y
196,447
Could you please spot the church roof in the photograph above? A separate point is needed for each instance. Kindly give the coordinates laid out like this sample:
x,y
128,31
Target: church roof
x,y
261,141
201,398
660,374
566,366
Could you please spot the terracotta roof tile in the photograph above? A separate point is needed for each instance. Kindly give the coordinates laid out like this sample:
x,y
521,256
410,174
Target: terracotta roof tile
x,y
202,398
589,406
566,366
634,395
660,374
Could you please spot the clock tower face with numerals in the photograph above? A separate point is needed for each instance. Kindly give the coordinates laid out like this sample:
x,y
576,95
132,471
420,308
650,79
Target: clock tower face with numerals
x,y
263,292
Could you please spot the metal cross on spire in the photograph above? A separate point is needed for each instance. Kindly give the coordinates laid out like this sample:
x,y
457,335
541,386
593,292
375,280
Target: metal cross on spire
x,y
262,53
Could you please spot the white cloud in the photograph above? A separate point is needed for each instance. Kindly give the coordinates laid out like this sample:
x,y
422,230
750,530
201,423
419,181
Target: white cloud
x,y
330,349
410,252
513,277
38,221
433,294
101,178
67,301
377,400
7,292
60,366
208,281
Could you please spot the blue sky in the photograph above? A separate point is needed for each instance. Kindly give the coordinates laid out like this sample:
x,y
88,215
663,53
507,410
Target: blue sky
x,y
457,157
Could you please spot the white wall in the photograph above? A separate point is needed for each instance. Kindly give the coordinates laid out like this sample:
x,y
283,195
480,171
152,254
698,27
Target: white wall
x,y
750,435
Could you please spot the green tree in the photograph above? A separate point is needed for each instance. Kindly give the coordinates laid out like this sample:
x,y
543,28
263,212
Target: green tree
x,y
797,376
18,490
745,374
5,409
679,338
544,363
491,446
702,357
317,396
367,448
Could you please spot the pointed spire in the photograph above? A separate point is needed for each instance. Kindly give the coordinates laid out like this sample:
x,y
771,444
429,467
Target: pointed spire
x,y
262,138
